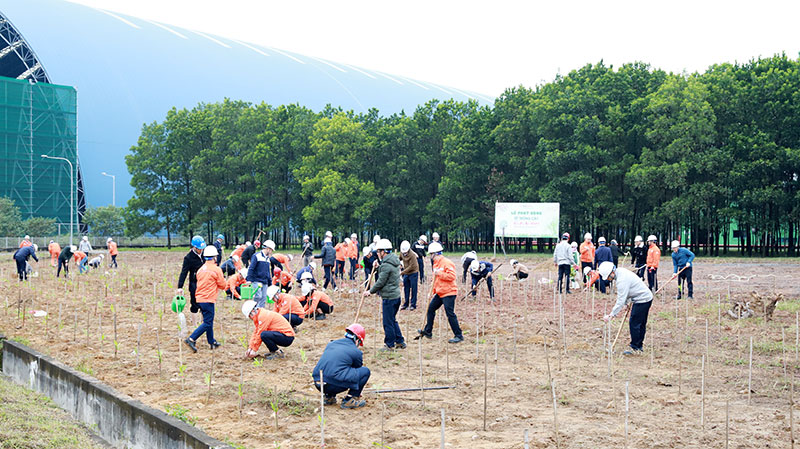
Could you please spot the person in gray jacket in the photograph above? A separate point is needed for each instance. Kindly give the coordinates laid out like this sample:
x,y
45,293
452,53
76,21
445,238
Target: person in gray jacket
x,y
630,289
562,257
387,286
84,245
328,256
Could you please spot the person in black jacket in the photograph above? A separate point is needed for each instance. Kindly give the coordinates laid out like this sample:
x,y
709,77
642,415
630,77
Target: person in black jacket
x,y
639,256
308,250
218,244
192,262
248,252
342,367
615,252
328,256
420,248
63,259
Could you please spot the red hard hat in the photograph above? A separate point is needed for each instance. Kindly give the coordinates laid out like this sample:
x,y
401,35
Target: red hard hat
x,y
276,271
358,331
257,243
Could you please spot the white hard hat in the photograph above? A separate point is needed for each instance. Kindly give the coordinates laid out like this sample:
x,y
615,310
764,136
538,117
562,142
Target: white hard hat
x,y
601,240
652,238
475,267
574,244
73,248
423,237
514,262
102,256
405,246
243,272
306,275
605,269
235,258
270,244
291,257
109,239
210,251
85,237
248,307
376,238
35,247
675,244
435,247
27,237
638,238
435,235
587,236
353,236
366,250
329,234
306,288
384,244
587,270
327,240
312,265
347,240
305,237
246,244
272,290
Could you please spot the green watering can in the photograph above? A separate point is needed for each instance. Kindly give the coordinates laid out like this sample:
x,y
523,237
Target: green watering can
x,y
178,303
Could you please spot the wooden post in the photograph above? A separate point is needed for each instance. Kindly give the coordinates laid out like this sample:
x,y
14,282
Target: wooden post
x,y
138,341
485,385
750,374
555,414
627,409
791,412
703,392
727,421
421,386
322,408
442,443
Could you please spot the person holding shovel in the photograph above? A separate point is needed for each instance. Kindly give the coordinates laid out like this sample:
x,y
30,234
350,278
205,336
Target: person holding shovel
x,y
342,368
682,260
387,286
328,256
209,281
630,289
444,291
639,256
271,329
63,259
653,257
481,270
410,275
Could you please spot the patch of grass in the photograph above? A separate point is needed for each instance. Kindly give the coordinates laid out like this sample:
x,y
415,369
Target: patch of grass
x,y
665,315
708,309
768,347
180,412
285,401
234,444
83,366
31,420
790,305
21,340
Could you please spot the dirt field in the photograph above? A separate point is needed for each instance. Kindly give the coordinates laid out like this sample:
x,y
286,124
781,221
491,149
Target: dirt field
x,y
503,356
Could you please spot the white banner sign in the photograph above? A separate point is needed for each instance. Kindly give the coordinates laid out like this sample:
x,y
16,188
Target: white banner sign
x,y
526,219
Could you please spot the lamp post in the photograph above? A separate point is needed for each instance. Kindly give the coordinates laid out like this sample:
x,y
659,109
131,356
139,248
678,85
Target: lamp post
x,y
71,193
113,188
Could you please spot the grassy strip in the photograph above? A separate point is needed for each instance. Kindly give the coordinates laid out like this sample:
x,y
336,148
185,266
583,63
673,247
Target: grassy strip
x,y
30,420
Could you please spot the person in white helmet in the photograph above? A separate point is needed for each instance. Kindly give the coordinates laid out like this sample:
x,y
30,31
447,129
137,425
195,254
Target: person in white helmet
x,y
562,259
653,258
682,260
97,261
435,238
603,254
21,258
368,260
307,272
587,255
466,261
387,285
209,282
317,304
272,329
630,289
26,241
481,270
352,255
639,256
420,248
410,275
307,252
112,252
328,256
445,288
84,245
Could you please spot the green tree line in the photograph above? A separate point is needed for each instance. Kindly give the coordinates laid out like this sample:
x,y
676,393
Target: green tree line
x,y
626,151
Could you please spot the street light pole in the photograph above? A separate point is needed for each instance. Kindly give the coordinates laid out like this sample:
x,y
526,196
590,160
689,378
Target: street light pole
x,y
71,193
113,188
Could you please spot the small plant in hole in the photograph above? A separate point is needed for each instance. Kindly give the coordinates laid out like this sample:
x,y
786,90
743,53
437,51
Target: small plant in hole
x,y
180,412
83,366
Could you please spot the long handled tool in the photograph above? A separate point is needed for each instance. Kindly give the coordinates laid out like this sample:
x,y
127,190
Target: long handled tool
x,y
364,294
403,390
622,323
677,276
478,284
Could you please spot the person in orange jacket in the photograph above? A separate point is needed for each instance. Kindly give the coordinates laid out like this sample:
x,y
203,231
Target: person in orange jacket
x,y
81,259
283,261
209,281
271,329
353,255
316,304
112,251
445,289
342,249
587,254
234,282
26,241
287,305
653,257
240,249
282,279
55,249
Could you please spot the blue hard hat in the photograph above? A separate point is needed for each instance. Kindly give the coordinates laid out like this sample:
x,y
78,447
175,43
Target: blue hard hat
x,y
221,237
198,242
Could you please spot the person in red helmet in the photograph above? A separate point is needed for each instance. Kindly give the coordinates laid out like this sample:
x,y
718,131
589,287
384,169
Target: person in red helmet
x,y
341,367
282,279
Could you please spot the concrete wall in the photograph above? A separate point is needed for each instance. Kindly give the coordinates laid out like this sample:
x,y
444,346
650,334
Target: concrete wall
x,y
119,420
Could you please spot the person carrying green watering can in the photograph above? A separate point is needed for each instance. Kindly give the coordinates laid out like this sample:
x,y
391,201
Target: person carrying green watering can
x,y
260,273
178,304
210,282
191,263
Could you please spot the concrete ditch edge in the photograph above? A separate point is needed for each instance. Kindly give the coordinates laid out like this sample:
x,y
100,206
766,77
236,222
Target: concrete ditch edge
x,y
121,421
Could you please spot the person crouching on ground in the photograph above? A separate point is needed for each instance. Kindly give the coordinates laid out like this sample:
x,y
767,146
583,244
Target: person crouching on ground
x,y
287,305
520,270
387,286
342,368
209,281
271,329
235,283
630,289
97,261
316,303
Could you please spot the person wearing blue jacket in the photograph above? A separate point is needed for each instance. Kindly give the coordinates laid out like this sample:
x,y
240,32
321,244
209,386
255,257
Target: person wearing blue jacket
x,y
602,254
328,256
342,368
479,270
218,245
306,269
21,258
260,274
682,260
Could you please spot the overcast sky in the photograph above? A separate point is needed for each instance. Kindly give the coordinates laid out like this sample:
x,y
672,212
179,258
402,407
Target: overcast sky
x,y
488,46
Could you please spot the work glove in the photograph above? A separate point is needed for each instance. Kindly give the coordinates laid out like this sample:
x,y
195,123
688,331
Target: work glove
x,y
688,264
608,317
249,354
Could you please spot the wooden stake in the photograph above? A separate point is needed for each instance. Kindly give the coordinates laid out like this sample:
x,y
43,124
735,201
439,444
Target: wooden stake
x,y
791,413
421,386
783,349
727,421
138,341
547,359
495,361
750,374
627,409
485,385
322,408
442,443
708,359
241,389
525,440
555,414
703,392
514,362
